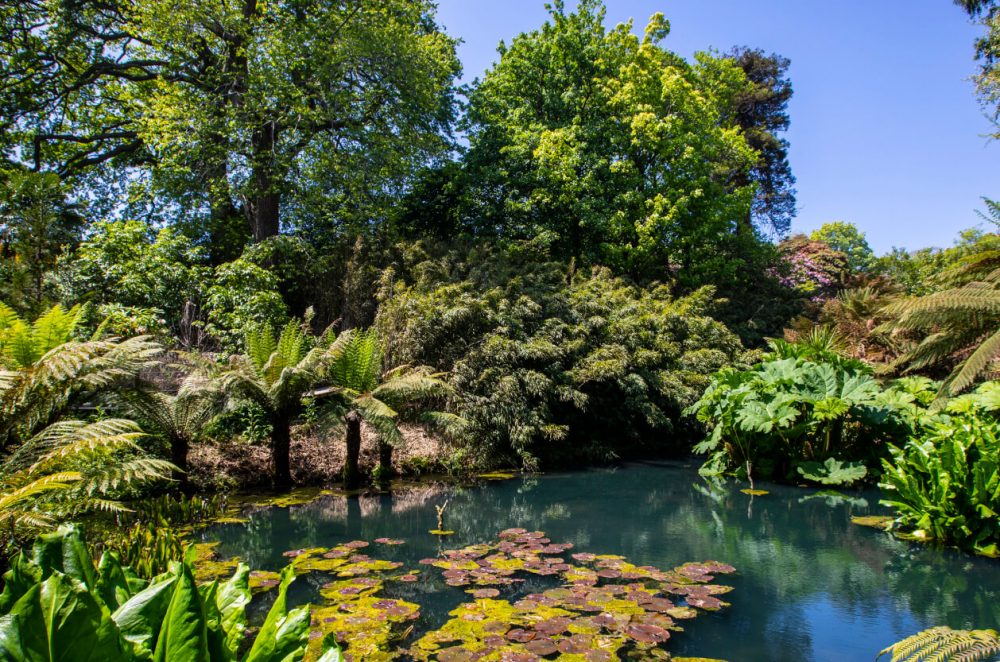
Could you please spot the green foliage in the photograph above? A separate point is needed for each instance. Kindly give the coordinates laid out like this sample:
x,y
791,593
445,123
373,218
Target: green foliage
x,y
56,601
988,53
546,370
805,406
944,482
41,393
943,643
127,264
614,150
275,374
72,467
961,325
847,239
833,472
23,344
37,226
356,375
242,296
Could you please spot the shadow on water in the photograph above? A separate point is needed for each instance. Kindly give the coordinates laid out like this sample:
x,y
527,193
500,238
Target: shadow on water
x,y
810,585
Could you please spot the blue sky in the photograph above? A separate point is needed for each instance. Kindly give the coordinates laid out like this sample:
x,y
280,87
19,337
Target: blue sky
x,y
886,130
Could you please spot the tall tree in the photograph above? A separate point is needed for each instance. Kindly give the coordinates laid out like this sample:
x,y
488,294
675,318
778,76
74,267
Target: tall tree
x,y
761,110
610,147
267,112
988,53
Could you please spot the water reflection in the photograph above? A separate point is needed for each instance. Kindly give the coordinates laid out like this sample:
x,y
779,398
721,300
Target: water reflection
x,y
811,586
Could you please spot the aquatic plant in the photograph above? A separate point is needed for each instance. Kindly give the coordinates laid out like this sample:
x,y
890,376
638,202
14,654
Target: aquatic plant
x,y
606,607
107,613
944,482
943,643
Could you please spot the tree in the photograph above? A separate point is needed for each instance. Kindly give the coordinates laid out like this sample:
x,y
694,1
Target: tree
x,y
761,110
275,373
127,263
37,225
812,268
610,148
988,53
962,327
177,417
847,239
367,394
250,112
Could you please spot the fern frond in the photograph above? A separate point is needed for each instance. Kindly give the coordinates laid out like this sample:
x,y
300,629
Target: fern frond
x,y
943,643
978,362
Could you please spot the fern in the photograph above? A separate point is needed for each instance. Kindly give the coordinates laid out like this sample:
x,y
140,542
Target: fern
x,y
959,321
943,644
22,344
73,467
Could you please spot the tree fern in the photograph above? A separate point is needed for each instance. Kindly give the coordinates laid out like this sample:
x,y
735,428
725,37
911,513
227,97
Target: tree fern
x,y
72,467
34,396
22,344
961,326
944,644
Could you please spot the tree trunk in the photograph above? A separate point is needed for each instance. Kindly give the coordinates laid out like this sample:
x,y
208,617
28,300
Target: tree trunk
x,y
352,475
266,204
281,440
384,461
179,458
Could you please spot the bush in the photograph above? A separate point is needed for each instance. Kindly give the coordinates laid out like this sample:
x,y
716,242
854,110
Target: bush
x,y
944,482
805,412
553,367
126,264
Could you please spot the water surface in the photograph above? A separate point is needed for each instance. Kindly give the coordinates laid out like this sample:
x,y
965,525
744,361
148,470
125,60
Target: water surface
x,y
810,585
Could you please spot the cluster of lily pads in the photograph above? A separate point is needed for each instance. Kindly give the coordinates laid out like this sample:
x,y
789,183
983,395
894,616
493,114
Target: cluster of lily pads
x,y
601,607
605,607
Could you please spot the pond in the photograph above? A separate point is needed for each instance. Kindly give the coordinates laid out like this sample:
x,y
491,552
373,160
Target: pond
x,y
809,584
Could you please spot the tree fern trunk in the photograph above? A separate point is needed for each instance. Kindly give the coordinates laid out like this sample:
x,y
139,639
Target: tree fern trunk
x,y
179,456
384,461
281,440
352,475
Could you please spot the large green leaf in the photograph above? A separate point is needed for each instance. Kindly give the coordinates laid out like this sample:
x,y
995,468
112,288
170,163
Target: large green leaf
x,y
284,635
115,585
232,599
184,633
17,581
140,619
832,472
59,620
65,551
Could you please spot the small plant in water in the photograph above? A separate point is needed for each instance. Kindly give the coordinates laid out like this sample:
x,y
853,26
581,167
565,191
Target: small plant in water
x,y
440,530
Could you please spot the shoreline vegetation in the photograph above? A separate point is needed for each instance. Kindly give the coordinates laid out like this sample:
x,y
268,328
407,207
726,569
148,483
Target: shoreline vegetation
x,y
244,248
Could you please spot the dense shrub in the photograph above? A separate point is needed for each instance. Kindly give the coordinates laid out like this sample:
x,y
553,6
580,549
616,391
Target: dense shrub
x,y
552,366
127,264
944,482
805,411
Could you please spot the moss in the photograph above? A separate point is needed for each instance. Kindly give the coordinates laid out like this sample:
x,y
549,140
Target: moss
x,y
209,565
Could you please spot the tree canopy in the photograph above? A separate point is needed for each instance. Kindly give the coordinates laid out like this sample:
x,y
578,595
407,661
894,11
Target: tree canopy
x,y
241,117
